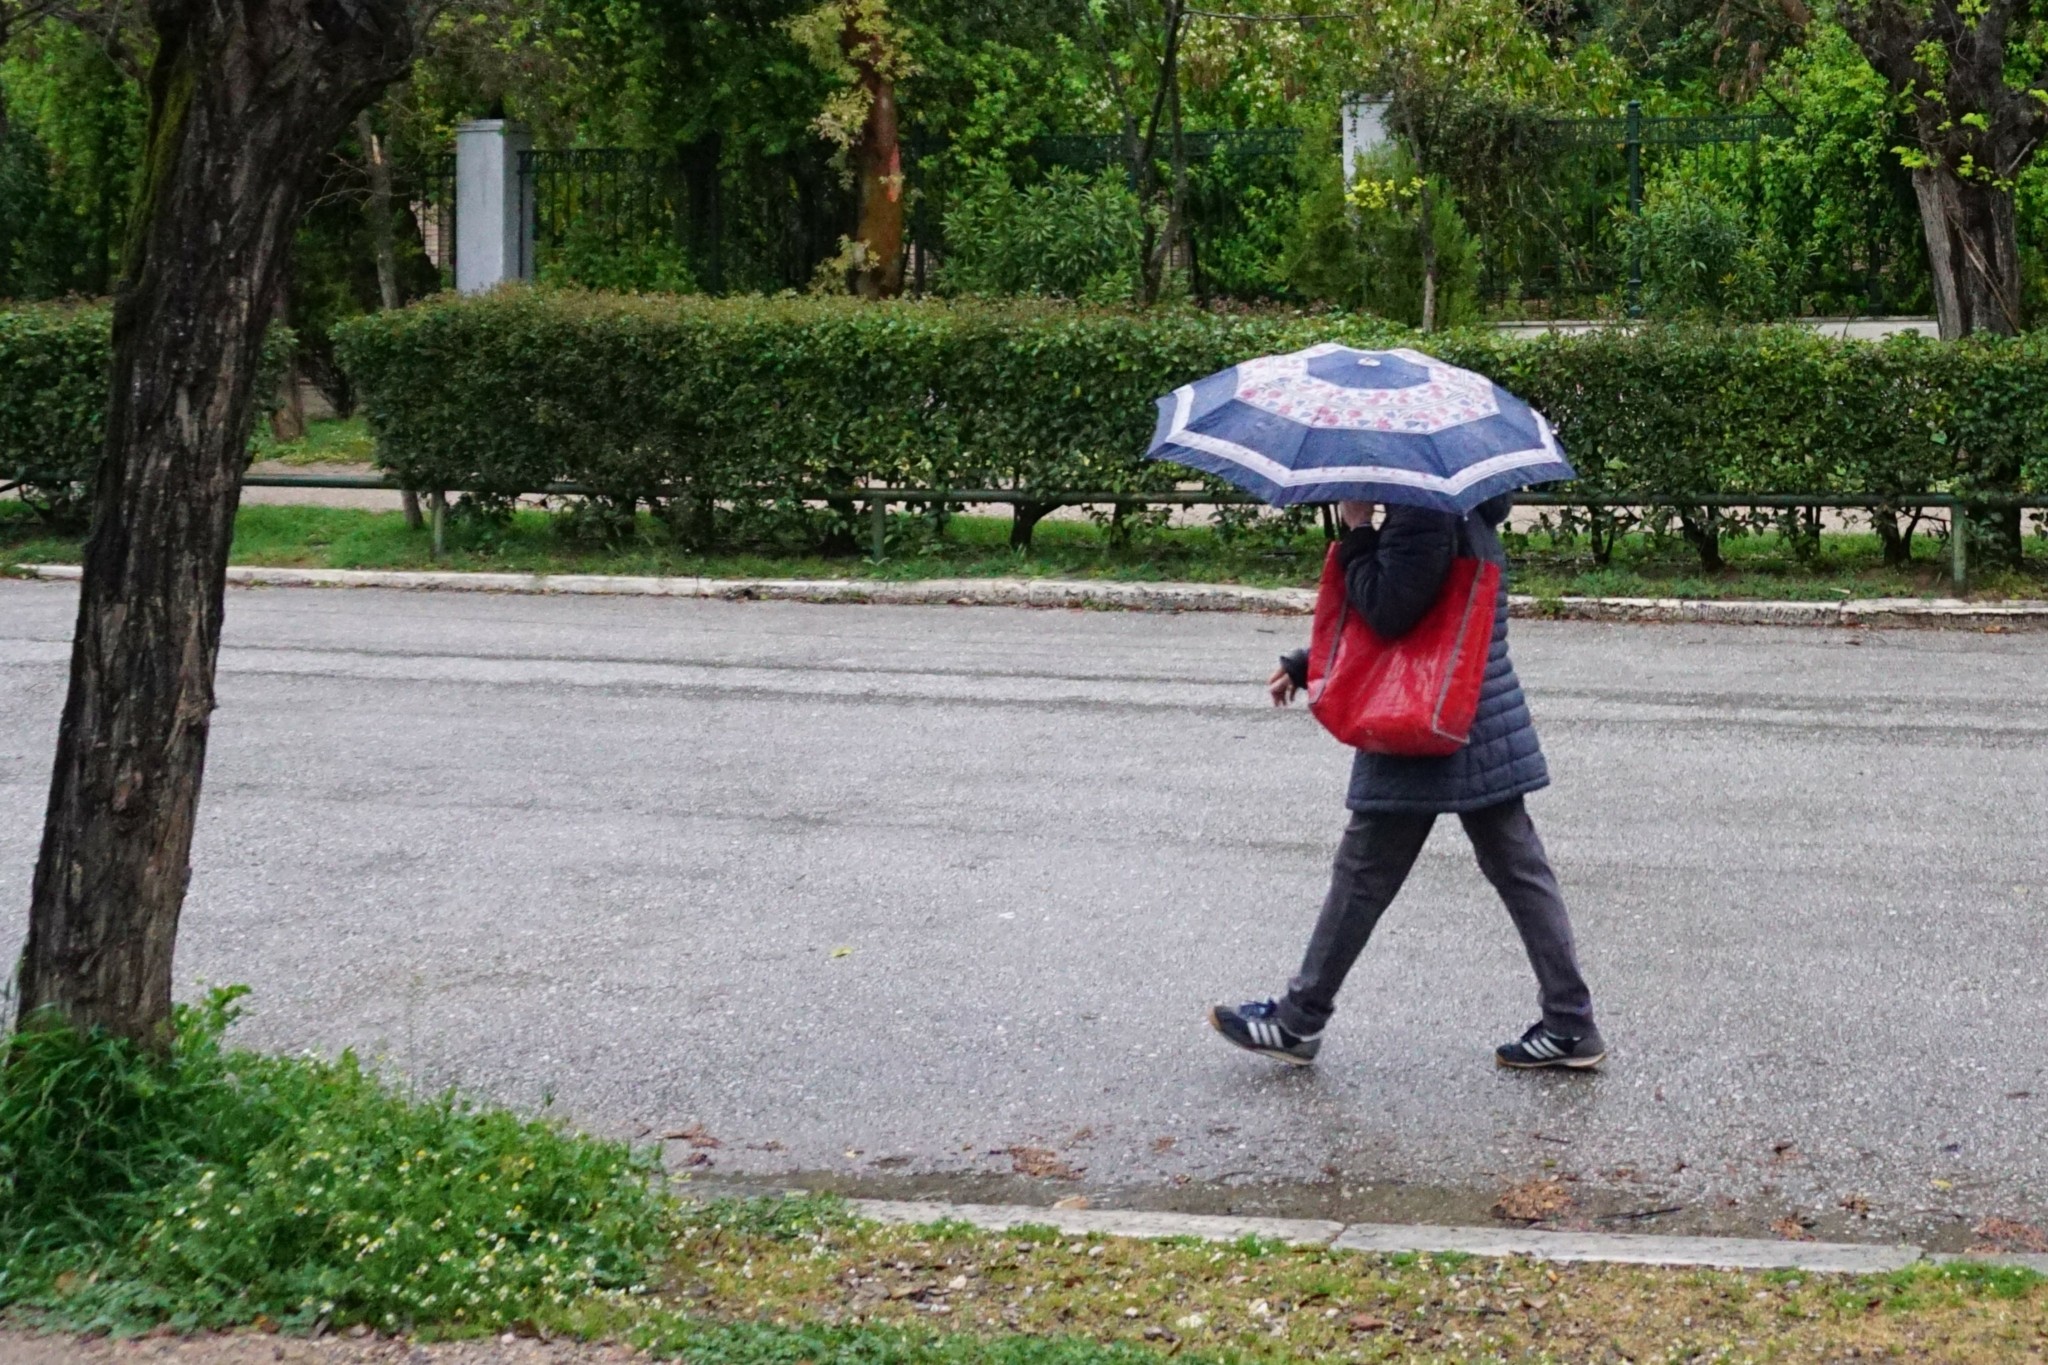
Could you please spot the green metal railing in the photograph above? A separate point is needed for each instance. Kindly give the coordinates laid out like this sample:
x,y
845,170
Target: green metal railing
x,y
879,500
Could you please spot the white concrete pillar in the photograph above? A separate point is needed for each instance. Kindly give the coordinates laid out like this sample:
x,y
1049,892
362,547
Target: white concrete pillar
x,y
1365,130
493,206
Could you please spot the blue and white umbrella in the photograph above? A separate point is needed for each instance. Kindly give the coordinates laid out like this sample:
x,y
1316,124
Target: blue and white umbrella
x,y
1331,423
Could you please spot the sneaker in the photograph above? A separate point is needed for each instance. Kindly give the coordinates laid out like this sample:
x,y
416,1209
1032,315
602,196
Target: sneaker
x,y
1539,1047
1256,1028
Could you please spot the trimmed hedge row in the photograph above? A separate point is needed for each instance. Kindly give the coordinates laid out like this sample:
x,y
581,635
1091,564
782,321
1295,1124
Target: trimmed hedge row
x,y
53,401
706,409
731,401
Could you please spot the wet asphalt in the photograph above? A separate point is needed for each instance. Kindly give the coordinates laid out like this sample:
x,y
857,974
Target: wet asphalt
x,y
931,900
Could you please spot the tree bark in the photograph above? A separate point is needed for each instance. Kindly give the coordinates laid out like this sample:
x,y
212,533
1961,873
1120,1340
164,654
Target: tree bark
x,y
244,102
382,205
1426,227
1972,253
384,247
880,155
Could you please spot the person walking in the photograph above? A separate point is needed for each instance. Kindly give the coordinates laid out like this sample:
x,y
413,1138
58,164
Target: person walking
x,y
1393,573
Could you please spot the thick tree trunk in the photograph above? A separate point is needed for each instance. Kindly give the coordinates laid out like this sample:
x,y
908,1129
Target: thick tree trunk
x,y
244,101
1972,251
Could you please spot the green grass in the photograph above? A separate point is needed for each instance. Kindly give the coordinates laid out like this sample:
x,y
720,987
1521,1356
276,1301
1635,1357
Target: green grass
x,y
1759,566
331,441
215,1187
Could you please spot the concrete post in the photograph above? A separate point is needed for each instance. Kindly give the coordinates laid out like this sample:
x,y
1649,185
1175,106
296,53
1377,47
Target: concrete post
x,y
493,206
1365,130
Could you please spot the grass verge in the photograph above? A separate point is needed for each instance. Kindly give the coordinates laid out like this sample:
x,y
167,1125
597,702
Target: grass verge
x,y
345,440
217,1188
1846,565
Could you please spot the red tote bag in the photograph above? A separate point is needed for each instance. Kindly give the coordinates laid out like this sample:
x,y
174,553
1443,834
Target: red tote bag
x,y
1415,695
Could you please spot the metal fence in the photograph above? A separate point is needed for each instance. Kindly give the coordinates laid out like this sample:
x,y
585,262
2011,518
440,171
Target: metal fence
x,y
877,501
1551,231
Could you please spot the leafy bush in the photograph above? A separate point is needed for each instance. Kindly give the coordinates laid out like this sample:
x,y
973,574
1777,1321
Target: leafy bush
x,y
1364,251
1702,259
53,402
214,1186
1070,235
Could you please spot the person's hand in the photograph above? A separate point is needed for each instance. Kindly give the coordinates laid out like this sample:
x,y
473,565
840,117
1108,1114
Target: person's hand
x,y
1356,514
1280,687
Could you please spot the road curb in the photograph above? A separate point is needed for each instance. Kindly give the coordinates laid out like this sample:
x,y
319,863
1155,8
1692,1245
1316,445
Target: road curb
x,y
1947,613
1723,1253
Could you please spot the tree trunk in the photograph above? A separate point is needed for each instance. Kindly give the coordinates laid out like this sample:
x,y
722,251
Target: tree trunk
x,y
1895,535
384,246
1703,533
1426,225
879,273
1972,252
1024,519
382,205
244,102
1156,240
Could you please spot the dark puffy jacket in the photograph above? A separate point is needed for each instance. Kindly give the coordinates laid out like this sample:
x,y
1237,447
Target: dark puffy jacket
x,y
1392,575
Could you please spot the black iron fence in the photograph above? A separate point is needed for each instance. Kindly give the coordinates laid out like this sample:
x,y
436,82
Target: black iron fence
x,y
1552,236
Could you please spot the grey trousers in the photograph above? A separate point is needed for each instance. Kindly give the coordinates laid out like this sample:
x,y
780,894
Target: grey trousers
x,y
1374,858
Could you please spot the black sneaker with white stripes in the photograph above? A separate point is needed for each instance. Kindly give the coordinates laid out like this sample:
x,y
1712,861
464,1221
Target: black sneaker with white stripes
x,y
1255,1027
1539,1047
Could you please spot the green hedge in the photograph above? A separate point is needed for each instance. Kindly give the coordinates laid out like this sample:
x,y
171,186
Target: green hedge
x,y
713,410
737,402
53,401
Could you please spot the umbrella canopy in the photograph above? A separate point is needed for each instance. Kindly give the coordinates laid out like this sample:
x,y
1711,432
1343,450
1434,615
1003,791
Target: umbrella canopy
x,y
1331,423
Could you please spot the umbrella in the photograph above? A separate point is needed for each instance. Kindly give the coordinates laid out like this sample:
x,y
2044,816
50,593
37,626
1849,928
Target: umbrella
x,y
1331,423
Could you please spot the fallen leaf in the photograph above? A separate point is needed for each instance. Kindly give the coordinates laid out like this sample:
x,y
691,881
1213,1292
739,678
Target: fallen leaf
x,y
1784,1151
1856,1204
1072,1201
1793,1228
1532,1201
842,952
1163,1145
771,1145
1082,1135
2010,1234
698,1159
957,1283
694,1135
1941,1184
1366,1322
1040,1163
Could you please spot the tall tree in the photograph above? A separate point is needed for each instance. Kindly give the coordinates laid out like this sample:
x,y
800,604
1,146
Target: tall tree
x,y
1975,81
244,101
857,43
1151,52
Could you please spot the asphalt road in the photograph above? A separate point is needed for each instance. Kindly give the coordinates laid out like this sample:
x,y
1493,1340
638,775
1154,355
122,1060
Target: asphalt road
x,y
874,896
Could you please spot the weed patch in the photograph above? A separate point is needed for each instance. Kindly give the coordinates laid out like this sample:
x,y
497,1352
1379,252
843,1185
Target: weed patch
x,y
217,1186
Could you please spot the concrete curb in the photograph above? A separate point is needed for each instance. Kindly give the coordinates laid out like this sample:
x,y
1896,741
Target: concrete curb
x,y
1102,593
1725,1253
